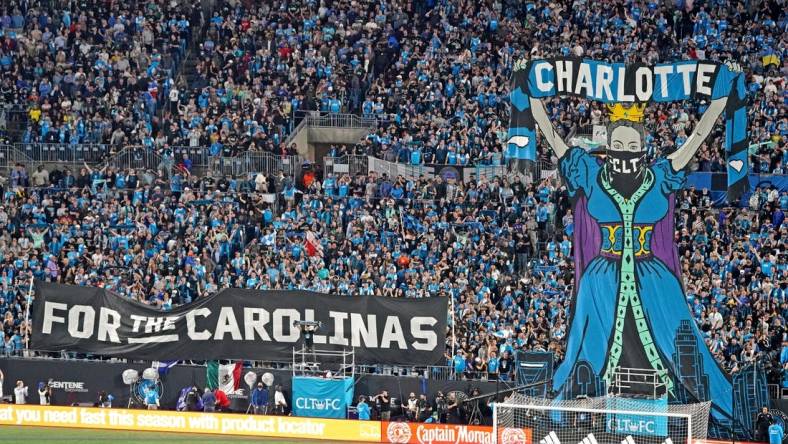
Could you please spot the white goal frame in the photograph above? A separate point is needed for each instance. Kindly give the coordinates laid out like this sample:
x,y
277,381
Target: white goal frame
x,y
559,408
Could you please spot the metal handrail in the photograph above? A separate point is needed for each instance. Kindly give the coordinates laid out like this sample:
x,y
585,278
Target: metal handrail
x,y
435,372
336,120
294,132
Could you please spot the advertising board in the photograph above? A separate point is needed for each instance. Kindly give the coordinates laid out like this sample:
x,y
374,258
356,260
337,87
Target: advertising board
x,y
419,433
190,422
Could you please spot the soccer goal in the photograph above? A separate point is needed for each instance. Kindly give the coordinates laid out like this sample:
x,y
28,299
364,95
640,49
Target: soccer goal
x,y
604,420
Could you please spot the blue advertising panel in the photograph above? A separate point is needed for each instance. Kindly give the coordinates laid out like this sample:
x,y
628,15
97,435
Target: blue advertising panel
x,y
638,424
322,398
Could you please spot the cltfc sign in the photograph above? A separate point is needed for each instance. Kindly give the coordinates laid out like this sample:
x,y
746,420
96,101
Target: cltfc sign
x,y
319,404
322,398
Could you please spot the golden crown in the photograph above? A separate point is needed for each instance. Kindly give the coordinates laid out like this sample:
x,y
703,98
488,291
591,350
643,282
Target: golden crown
x,y
633,113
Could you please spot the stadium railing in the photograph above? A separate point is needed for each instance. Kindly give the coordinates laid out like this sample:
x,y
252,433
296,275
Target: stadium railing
x,y
334,120
253,162
64,153
136,157
348,164
435,372
74,156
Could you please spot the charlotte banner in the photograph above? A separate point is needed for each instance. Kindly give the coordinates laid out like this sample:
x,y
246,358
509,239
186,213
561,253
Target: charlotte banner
x,y
322,398
629,309
238,324
631,83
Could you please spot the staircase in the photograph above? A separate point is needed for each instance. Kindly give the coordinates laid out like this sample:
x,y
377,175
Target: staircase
x,y
13,123
188,76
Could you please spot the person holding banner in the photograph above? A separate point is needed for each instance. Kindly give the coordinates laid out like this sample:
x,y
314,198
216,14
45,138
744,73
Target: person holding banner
x,y
629,304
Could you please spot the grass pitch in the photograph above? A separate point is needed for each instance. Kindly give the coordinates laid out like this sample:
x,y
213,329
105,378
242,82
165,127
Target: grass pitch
x,y
15,434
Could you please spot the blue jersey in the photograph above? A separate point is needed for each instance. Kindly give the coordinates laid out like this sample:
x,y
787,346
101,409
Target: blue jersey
x,y
775,434
363,411
151,397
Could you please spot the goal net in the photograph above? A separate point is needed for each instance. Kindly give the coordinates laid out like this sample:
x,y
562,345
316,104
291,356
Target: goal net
x,y
603,420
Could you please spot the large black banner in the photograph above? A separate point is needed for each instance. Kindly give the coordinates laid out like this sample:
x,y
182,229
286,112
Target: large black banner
x,y
238,324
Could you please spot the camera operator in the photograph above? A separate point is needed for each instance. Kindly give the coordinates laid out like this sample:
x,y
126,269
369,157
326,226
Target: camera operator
x,y
453,410
192,400
440,407
44,393
104,400
384,405
423,408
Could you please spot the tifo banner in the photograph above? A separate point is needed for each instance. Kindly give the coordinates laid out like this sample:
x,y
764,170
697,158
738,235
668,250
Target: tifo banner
x,y
238,324
617,83
190,422
629,299
418,433
322,398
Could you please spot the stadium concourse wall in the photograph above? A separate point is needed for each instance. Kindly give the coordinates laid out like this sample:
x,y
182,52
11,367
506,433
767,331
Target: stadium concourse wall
x,y
80,381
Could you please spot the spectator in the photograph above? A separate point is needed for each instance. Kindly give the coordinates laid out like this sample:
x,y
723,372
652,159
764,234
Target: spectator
x,y
20,393
363,409
222,401
260,399
384,405
280,402
209,400
44,392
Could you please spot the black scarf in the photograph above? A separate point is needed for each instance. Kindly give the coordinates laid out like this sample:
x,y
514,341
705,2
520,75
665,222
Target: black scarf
x,y
625,170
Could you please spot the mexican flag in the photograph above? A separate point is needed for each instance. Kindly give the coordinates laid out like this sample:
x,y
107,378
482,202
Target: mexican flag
x,y
226,377
312,245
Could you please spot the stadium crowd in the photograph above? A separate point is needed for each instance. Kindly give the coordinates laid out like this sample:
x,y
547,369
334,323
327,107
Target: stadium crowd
x,y
500,249
92,71
436,75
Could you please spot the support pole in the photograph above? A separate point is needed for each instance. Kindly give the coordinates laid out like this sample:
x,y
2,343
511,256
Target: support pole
x,y
453,337
27,313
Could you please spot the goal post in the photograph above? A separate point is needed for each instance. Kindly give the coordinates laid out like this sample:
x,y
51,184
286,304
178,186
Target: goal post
x,y
604,420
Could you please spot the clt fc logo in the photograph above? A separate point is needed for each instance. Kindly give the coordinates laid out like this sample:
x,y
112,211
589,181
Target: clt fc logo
x,y
318,404
398,433
513,436
631,425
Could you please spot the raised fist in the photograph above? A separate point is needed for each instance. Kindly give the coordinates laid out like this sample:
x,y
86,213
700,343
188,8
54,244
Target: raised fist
x,y
520,64
733,66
